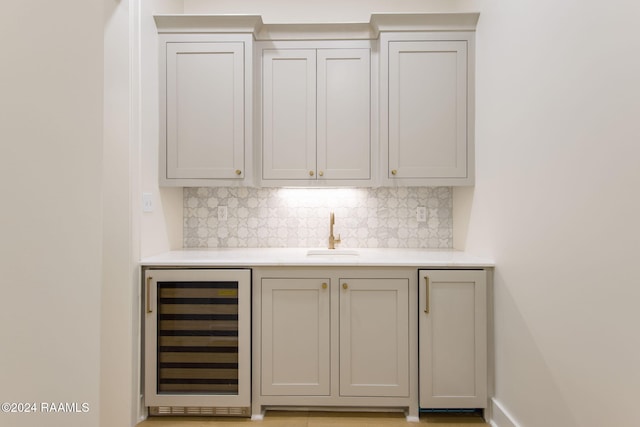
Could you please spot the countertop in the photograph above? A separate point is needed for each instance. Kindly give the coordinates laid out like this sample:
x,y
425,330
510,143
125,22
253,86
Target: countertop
x,y
254,257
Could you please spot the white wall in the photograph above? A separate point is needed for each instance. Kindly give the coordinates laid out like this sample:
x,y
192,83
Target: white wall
x,y
119,385
557,205
50,217
161,230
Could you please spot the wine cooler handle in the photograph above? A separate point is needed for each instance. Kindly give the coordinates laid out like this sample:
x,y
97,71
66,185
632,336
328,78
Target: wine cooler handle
x,y
426,307
149,309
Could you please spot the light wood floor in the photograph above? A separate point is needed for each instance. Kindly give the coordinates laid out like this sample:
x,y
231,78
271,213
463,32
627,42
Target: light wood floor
x,y
320,419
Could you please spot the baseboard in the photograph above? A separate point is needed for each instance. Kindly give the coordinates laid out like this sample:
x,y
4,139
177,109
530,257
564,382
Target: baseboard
x,y
500,417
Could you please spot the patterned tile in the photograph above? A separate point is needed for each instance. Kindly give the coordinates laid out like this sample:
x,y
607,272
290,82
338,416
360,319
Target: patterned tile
x,y
283,217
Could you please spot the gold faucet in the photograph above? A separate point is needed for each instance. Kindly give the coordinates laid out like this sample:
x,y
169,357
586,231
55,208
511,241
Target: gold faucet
x,y
332,239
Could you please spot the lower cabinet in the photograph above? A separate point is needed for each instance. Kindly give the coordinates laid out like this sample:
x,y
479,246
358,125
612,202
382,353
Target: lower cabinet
x,y
453,338
334,338
374,337
359,337
295,337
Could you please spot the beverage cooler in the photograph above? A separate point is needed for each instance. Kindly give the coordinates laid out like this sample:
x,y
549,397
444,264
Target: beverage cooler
x,y
197,333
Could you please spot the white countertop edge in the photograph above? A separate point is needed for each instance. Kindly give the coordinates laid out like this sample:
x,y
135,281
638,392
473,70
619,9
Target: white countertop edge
x,y
282,257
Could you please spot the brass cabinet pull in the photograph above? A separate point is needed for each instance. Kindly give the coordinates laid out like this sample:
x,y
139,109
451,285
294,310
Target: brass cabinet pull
x,y
238,172
394,172
149,310
320,173
324,286
426,307
311,173
345,286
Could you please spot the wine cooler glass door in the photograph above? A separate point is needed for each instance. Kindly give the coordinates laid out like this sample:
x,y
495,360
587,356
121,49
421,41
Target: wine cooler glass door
x,y
198,337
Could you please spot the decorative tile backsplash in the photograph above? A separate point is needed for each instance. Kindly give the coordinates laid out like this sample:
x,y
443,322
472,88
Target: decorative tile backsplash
x,y
288,217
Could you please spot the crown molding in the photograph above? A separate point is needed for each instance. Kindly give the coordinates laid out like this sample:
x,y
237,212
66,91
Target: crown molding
x,y
379,22
208,23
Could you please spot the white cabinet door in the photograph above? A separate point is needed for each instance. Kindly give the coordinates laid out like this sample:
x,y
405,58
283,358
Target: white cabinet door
x,y
453,339
204,111
344,114
427,111
374,337
295,337
289,114
316,109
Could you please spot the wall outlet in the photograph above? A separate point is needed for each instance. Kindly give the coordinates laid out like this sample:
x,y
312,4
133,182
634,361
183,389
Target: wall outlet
x,y
147,202
222,213
421,214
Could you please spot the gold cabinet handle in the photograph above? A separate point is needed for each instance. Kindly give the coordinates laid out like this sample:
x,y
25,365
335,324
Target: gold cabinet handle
x,y
320,173
324,286
149,310
238,172
426,307
311,173
394,172
345,286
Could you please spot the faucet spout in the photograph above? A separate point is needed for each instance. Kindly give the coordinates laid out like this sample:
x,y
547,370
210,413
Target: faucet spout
x,y
332,239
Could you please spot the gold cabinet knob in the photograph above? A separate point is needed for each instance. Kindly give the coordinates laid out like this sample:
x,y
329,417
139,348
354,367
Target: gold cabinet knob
x,y
345,286
394,172
311,173
320,173
324,286
238,172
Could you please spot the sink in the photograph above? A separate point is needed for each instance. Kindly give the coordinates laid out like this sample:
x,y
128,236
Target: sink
x,y
332,252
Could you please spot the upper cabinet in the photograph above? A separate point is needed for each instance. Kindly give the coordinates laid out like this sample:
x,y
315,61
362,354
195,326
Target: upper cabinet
x,y
205,111
316,116
384,103
206,126
426,111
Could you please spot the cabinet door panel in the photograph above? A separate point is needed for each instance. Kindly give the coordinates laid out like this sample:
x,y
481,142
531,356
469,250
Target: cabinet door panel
x,y
289,114
205,110
428,109
374,337
453,339
295,337
344,92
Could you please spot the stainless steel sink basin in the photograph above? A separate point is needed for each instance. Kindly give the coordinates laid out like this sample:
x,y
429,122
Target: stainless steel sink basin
x,y
332,252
